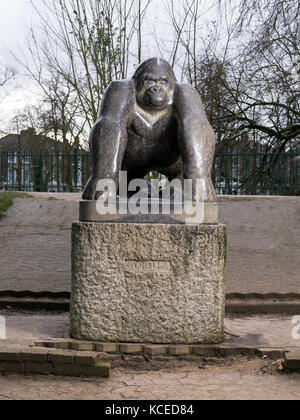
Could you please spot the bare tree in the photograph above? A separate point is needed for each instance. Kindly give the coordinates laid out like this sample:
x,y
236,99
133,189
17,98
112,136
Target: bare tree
x,y
83,46
242,66
8,73
263,87
204,53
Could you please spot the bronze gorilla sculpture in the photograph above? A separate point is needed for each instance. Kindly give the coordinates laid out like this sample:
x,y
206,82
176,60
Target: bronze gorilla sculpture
x,y
151,122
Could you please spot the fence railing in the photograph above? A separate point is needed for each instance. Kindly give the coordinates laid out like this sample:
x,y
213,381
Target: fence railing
x,y
259,172
233,173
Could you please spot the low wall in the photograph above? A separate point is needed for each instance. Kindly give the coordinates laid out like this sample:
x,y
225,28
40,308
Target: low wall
x,y
263,243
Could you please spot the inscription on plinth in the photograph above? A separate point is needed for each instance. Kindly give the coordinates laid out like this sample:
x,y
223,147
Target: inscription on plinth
x,y
147,266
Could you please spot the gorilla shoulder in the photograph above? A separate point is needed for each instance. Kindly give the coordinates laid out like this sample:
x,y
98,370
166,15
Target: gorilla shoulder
x,y
121,85
182,89
118,100
188,101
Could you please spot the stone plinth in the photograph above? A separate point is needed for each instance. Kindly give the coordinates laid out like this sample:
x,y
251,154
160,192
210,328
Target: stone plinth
x,y
88,213
148,283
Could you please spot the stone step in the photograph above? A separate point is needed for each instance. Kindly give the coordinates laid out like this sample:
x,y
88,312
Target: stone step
x,y
292,360
46,361
201,350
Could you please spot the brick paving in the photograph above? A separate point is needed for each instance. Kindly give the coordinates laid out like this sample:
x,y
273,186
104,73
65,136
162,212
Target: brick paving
x,y
263,243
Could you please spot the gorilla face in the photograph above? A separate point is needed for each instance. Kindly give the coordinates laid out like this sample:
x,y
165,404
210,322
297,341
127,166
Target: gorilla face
x,y
155,84
155,90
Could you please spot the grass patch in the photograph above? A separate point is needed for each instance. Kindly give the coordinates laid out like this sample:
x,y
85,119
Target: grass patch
x,y
7,197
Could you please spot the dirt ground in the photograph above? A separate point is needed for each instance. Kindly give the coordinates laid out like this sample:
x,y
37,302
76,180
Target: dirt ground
x,y
235,379
263,243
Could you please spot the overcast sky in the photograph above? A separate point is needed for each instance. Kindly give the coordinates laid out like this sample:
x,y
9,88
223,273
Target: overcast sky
x,y
14,16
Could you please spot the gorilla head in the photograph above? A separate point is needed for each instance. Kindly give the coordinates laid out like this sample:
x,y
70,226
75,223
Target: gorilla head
x,y
154,83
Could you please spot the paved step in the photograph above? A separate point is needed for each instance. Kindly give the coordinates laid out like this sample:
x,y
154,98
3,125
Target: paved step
x,y
292,360
66,357
45,361
35,300
198,350
252,303
269,303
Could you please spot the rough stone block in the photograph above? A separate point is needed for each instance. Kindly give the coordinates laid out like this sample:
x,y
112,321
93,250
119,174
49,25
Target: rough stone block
x,y
49,344
155,350
34,355
107,347
12,367
179,350
42,368
61,356
65,369
89,358
148,283
292,360
131,348
101,370
82,346
7,355
206,351
63,344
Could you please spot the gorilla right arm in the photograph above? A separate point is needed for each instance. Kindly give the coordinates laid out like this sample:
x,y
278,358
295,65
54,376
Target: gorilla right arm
x,y
108,138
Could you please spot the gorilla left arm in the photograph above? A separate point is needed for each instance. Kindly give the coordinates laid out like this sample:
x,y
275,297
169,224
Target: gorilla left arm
x,y
196,137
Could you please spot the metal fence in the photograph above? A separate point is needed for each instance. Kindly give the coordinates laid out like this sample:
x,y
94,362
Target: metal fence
x,y
257,173
233,173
